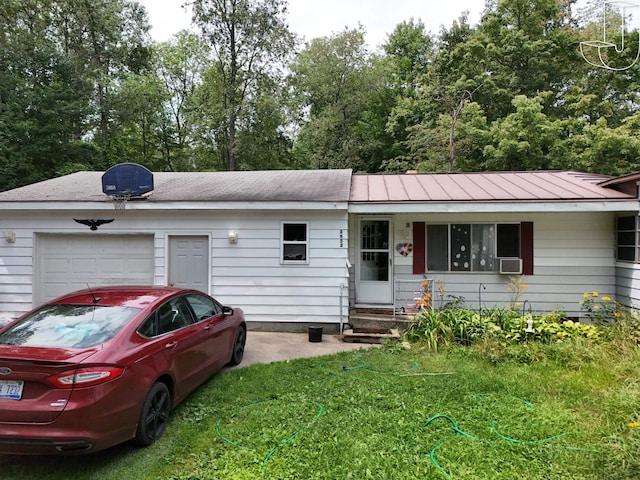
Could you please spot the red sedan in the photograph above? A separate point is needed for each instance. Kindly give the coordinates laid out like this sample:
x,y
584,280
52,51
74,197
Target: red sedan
x,y
102,366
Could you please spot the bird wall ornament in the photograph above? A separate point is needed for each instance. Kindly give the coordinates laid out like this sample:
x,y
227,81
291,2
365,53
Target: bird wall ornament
x,y
93,224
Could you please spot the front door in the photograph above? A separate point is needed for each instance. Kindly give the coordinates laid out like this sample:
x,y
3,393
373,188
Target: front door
x,y
374,272
189,262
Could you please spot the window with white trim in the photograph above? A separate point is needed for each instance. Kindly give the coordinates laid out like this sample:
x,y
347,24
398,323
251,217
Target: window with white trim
x,y
295,242
627,238
467,247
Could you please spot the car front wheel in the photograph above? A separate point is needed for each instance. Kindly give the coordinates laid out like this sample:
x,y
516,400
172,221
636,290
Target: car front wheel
x,y
154,415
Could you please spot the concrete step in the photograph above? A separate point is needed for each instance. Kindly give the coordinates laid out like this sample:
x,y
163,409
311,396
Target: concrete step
x,y
376,319
369,335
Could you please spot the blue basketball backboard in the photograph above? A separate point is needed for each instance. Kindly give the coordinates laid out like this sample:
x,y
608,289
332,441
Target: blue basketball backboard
x,y
127,179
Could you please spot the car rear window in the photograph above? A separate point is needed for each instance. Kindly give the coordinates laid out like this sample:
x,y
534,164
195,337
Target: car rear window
x,y
68,326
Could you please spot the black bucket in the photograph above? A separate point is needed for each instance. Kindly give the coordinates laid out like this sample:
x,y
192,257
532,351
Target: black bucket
x,y
315,334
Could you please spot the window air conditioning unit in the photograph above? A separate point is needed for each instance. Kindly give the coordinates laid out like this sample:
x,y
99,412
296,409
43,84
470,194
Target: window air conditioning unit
x,y
511,266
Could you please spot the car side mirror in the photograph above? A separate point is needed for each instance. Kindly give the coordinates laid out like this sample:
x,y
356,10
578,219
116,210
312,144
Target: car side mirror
x,y
227,310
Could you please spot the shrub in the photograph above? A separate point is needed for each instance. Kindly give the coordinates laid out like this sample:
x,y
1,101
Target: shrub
x,y
548,330
461,326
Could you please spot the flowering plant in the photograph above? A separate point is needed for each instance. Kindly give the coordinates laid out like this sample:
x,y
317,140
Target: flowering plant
x,y
425,300
601,310
516,288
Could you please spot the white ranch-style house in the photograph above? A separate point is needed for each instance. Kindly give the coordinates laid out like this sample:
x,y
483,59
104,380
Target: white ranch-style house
x,y
295,248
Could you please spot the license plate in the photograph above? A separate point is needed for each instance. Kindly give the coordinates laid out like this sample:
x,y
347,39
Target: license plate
x,y
11,389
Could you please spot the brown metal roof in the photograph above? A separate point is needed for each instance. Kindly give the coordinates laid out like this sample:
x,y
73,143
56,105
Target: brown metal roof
x,y
243,186
484,187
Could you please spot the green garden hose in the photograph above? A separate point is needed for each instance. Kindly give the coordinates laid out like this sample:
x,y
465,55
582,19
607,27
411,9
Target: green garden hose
x,y
277,447
457,429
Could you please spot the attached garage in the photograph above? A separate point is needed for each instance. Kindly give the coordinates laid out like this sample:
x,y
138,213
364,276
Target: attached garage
x,y
65,263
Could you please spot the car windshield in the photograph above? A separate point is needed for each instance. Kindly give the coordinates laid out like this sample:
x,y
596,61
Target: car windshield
x,y
68,326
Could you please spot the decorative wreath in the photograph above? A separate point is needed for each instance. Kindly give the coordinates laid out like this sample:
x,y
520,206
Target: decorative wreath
x,y
404,248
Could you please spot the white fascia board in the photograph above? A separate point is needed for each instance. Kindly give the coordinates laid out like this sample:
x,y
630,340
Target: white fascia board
x,y
164,206
495,207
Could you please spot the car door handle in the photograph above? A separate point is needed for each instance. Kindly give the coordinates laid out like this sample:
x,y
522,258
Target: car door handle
x,y
171,345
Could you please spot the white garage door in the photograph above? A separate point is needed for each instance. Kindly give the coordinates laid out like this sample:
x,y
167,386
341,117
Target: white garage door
x,y
70,262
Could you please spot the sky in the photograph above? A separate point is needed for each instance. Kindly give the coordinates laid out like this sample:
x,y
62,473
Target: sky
x,y
320,18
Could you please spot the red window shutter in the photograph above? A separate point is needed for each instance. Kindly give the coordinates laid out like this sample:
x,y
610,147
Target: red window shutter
x,y
526,247
419,247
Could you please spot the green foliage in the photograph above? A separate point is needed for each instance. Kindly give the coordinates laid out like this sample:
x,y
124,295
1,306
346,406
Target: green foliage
x,y
523,139
548,331
460,326
250,42
601,310
334,81
625,332
83,87
59,61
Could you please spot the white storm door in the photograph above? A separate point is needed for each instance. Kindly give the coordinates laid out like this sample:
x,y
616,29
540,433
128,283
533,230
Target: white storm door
x,y
189,262
374,270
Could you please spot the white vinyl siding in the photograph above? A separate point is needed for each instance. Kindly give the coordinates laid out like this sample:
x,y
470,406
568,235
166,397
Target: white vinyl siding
x,y
247,274
574,253
628,284
250,273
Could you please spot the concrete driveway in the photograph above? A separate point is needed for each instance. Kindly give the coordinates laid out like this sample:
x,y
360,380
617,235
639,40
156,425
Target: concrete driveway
x,y
267,347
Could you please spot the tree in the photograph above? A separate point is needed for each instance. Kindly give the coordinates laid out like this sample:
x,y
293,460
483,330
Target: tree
x,y
611,151
409,53
44,97
250,41
138,122
335,83
430,146
432,112
523,47
263,143
523,140
180,66
58,64
108,39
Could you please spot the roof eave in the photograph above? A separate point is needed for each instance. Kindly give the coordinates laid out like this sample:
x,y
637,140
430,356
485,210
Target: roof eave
x,y
608,205
172,205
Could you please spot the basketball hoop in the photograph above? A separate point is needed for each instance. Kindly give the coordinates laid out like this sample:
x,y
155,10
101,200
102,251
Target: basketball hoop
x,y
120,200
125,181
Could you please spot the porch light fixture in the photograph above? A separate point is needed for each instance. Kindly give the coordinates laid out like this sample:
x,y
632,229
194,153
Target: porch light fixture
x,y
233,237
10,237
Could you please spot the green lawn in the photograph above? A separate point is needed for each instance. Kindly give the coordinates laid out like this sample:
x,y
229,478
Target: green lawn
x,y
394,414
